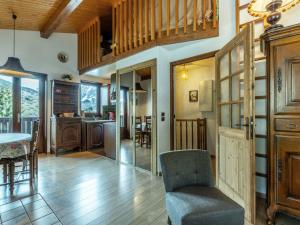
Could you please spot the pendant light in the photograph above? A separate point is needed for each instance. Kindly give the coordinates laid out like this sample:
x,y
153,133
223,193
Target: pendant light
x,y
13,65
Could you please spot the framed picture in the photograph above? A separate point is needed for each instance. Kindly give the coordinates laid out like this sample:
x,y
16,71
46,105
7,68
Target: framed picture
x,y
193,96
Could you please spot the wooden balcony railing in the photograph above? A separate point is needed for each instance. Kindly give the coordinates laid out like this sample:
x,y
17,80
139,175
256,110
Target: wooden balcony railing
x,y
141,24
6,124
191,134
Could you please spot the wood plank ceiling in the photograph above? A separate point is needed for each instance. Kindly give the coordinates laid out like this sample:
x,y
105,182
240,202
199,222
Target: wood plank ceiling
x,y
33,15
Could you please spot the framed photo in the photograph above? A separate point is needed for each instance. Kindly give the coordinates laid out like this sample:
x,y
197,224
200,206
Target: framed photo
x,y
193,96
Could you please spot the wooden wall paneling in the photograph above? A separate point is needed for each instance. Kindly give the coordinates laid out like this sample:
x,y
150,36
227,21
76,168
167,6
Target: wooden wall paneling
x,y
159,18
153,20
125,26
176,16
185,16
141,22
135,35
215,13
168,18
195,16
204,6
147,10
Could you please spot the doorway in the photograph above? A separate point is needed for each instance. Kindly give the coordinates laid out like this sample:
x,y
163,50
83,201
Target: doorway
x,y
192,103
136,109
22,102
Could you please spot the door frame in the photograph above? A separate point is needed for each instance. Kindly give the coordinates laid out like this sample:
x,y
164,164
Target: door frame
x,y
153,64
172,88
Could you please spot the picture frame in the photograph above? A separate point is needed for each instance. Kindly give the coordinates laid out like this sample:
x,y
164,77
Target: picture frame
x,y
193,96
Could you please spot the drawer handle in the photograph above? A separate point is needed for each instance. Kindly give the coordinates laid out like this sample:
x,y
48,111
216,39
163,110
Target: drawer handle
x,y
292,126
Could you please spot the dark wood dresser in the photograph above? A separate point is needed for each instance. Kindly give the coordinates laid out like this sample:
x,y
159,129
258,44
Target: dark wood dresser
x,y
92,134
283,67
65,132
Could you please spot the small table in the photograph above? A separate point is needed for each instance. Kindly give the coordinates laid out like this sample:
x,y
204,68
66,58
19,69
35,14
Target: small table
x,y
13,145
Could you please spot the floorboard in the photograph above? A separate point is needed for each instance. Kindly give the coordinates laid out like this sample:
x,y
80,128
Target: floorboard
x,y
87,188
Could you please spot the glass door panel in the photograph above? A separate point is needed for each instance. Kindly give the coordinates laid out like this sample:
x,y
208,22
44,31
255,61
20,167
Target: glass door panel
x,y
143,111
6,104
127,131
30,103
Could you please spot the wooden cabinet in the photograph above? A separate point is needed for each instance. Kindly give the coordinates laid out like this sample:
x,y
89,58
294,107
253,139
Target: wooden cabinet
x,y
110,139
65,134
283,68
92,135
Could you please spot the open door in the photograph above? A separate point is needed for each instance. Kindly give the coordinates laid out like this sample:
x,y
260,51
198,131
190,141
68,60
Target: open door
x,y
235,121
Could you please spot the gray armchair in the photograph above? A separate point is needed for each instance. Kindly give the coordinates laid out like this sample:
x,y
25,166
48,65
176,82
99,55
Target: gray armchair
x,y
191,198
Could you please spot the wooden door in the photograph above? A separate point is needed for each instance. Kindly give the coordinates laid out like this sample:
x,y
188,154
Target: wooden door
x,y
235,121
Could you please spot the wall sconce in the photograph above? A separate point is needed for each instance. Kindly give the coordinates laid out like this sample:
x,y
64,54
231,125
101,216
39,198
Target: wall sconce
x,y
271,10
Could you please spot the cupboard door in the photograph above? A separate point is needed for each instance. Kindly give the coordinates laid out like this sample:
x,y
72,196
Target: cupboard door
x,y
96,135
288,167
287,77
71,134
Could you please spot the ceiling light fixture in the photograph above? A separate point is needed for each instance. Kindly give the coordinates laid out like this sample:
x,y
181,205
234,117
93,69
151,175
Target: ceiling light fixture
x,y
13,65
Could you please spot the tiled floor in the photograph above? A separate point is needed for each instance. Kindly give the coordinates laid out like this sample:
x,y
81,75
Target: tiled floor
x,y
30,210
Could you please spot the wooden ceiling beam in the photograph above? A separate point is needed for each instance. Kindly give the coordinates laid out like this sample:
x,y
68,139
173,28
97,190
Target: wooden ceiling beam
x,y
59,16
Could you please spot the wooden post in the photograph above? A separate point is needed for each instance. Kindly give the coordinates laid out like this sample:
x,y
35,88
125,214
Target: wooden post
x,y
168,18
146,21
214,13
135,36
185,16
159,18
141,22
176,16
125,25
130,22
114,30
195,16
121,27
203,14
153,20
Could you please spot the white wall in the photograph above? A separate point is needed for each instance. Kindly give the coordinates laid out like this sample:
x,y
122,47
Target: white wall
x,y
40,55
190,110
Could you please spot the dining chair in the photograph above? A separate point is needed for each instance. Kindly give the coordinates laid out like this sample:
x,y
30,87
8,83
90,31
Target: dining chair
x,y
29,160
146,133
138,129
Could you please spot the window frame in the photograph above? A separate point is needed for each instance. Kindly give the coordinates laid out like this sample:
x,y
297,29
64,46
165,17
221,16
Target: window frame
x,y
98,98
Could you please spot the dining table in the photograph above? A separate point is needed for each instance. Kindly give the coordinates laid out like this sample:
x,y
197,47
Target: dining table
x,y
13,145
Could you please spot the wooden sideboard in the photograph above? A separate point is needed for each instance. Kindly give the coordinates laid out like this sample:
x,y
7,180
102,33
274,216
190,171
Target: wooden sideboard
x,y
283,68
92,134
65,132
110,139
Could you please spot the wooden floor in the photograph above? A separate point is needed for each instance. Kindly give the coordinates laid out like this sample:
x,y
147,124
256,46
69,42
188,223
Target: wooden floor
x,y
86,188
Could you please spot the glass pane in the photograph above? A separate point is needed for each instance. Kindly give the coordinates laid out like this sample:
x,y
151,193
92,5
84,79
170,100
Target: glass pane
x,y
237,89
225,116
88,98
5,104
261,126
261,145
104,97
261,165
237,58
261,107
127,130
260,88
29,103
261,184
224,66
260,68
237,117
225,90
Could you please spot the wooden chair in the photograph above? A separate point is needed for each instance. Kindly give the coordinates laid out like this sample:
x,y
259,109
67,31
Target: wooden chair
x,y
138,130
31,158
146,133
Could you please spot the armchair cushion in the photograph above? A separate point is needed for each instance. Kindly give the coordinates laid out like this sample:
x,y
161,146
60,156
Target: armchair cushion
x,y
196,205
185,168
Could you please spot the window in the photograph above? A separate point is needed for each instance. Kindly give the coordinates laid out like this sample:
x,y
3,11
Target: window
x,y
104,97
89,98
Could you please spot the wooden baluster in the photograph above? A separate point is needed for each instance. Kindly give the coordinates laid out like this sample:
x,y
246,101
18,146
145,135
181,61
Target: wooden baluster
x,y
125,25
79,51
168,18
153,20
135,36
192,134
83,49
186,135
141,21
117,31
203,14
198,134
121,28
176,16
147,21
185,16
180,134
159,18
88,47
113,30
93,42
214,13
130,22
195,16
98,38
